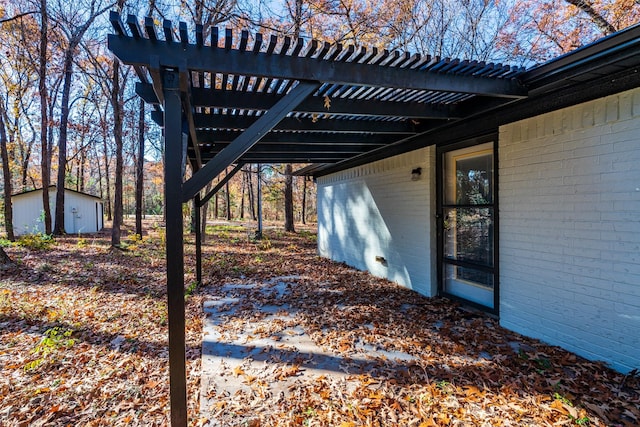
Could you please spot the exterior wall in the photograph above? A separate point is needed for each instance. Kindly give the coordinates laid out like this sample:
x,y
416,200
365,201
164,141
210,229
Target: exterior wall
x,y
376,210
27,213
569,193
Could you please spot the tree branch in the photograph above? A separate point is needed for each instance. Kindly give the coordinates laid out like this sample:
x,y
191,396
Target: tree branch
x,y
13,18
605,26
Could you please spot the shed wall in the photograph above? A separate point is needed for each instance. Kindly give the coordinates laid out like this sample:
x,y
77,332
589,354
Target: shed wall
x,y
376,210
570,228
28,211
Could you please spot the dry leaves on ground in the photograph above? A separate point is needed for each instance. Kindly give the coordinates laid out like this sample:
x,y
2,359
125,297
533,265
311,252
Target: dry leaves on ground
x,y
83,341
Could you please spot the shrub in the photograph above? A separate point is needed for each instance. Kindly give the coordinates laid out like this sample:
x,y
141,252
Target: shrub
x,y
37,241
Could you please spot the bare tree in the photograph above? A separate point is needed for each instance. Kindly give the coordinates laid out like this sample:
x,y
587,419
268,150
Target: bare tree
x,y
44,116
140,169
288,198
74,30
116,106
6,173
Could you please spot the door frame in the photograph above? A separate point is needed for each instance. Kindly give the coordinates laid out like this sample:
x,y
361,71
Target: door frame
x,y
440,188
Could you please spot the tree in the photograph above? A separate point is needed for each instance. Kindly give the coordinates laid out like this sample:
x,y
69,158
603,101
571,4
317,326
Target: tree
x,y
5,261
288,199
541,30
116,106
45,153
74,28
6,173
140,169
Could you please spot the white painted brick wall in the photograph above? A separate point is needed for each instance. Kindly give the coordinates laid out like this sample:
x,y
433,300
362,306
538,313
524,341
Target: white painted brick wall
x,y
569,193
377,210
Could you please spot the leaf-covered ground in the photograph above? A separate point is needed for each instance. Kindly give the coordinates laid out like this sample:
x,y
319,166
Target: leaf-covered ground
x,y
83,341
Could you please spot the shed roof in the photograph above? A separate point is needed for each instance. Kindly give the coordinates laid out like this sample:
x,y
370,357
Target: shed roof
x,y
52,188
368,103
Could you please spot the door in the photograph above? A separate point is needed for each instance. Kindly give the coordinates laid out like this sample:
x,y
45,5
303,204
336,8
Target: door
x,y
467,224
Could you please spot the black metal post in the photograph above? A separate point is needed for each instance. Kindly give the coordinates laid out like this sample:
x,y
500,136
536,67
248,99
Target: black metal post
x,y
259,232
198,221
175,251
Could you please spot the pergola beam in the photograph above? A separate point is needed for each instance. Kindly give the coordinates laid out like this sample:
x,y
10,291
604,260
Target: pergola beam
x,y
134,51
247,139
296,149
292,158
318,124
185,88
226,136
216,98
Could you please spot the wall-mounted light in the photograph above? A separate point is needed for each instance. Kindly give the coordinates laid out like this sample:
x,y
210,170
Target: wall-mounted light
x,y
415,174
381,260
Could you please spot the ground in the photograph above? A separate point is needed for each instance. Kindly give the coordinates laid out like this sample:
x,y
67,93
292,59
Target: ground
x,y
289,339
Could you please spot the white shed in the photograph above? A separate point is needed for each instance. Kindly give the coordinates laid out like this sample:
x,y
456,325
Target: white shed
x,y
83,213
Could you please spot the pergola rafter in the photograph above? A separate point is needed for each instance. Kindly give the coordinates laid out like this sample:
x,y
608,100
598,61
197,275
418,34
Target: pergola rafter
x,y
249,99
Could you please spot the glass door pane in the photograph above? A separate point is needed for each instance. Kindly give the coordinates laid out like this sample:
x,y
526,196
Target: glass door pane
x,y
467,228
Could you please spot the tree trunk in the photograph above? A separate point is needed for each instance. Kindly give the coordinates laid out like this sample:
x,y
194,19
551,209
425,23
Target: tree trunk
x,y
106,177
6,173
44,122
242,198
117,135
252,198
228,198
205,209
62,141
288,199
5,261
304,200
83,160
140,170
217,204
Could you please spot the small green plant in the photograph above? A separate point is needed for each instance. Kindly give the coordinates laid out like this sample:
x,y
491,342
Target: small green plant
x,y
443,385
264,244
54,339
82,242
308,235
561,398
191,288
135,238
6,243
309,413
543,364
36,241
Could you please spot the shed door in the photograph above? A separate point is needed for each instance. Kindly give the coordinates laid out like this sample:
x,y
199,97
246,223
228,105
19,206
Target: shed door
x,y
467,224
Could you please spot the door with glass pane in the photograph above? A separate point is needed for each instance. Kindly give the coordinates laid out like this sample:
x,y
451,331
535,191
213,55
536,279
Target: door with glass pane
x,y
466,212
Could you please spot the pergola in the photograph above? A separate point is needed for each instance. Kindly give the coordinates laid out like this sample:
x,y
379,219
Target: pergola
x,y
239,98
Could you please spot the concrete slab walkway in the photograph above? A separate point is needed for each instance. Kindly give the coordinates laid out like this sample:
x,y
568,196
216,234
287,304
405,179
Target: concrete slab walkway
x,y
265,353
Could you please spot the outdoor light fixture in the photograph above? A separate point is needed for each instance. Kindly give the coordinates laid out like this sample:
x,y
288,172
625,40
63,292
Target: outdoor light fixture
x,y
415,174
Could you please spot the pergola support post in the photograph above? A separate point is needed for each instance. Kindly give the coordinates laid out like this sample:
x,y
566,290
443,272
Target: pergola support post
x,y
173,175
198,220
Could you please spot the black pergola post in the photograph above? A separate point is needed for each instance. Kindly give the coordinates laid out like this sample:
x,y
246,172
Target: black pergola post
x,y
198,221
175,250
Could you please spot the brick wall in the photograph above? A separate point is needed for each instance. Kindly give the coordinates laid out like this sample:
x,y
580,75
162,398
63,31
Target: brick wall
x,y
569,193
376,210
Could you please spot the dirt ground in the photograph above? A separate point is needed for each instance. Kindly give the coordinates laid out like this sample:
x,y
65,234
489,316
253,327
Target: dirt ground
x,y
276,336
